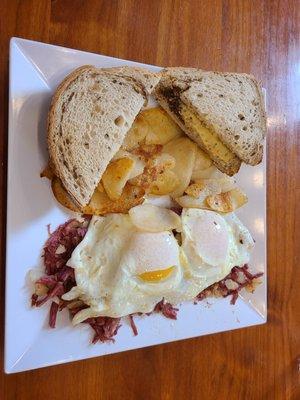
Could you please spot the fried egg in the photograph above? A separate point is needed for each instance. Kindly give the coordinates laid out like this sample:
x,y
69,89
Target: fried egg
x,y
212,245
121,270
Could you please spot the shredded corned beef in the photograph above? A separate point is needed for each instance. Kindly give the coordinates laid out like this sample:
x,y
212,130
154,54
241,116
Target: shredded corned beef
x,y
53,314
105,328
133,325
61,243
166,309
177,210
236,280
34,298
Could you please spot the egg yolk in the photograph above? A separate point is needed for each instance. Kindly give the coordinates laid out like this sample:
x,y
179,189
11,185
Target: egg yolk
x,y
156,276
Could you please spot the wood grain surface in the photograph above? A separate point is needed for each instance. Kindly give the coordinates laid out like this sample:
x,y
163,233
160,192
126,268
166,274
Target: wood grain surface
x,y
256,36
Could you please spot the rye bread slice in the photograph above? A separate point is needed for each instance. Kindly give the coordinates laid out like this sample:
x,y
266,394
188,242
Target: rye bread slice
x,y
90,114
230,104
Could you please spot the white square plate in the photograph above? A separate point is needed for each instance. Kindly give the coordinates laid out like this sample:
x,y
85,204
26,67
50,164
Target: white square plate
x,y
35,71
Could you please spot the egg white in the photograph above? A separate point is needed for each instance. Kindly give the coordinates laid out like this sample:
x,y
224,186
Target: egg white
x,y
114,253
199,271
107,268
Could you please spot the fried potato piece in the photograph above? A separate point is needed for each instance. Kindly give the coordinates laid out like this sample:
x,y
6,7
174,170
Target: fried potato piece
x,y
183,150
116,175
139,164
146,179
156,165
196,193
164,161
187,201
100,203
148,151
165,183
136,135
207,173
227,201
213,194
202,162
195,189
152,126
210,186
162,127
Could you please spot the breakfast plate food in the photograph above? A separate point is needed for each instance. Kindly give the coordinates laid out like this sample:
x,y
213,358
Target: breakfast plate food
x,y
136,205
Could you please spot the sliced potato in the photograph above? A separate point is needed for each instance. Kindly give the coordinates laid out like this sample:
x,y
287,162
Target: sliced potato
x,y
183,150
150,218
195,189
203,188
210,186
137,133
202,162
227,201
138,169
227,183
139,164
100,203
151,126
204,173
187,201
121,154
164,161
146,179
162,127
147,151
197,193
161,201
152,138
156,164
116,175
209,173
165,183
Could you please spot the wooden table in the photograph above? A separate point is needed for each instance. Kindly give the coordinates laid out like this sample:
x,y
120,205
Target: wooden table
x,y
257,36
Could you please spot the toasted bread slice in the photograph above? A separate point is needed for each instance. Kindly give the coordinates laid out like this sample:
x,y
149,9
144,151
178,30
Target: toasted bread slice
x,y
90,114
223,112
224,159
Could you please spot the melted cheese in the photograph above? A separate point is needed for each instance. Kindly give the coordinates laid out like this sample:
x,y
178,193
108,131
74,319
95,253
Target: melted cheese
x,y
209,138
